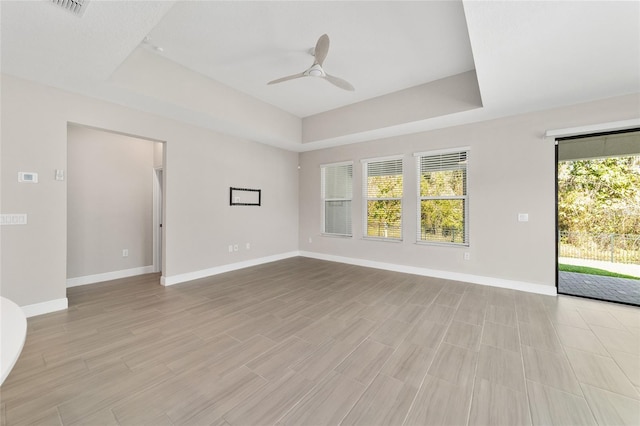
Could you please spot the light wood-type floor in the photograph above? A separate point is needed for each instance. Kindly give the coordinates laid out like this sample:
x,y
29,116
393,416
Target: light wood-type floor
x,y
308,342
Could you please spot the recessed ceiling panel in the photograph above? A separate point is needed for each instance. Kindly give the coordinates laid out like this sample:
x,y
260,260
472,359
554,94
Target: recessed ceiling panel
x,y
532,55
379,47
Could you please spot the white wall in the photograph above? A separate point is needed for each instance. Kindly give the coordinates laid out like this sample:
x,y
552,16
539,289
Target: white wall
x,y
200,166
511,171
109,202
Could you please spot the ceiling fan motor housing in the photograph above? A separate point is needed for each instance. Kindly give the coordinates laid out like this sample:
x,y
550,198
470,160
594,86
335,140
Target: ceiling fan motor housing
x,y
316,71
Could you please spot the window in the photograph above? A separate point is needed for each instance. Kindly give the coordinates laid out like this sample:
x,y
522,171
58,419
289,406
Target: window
x,y
337,190
443,201
382,192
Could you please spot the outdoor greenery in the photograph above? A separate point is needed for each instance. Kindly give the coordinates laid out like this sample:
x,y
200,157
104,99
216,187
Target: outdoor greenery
x,y
442,219
593,271
442,200
599,209
384,216
600,196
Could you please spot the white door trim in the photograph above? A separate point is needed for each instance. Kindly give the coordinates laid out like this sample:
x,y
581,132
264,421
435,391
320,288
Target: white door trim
x,y
158,174
593,128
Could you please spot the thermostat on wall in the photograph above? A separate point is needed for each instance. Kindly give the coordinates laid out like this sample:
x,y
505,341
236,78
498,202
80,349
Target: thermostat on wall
x,y
27,177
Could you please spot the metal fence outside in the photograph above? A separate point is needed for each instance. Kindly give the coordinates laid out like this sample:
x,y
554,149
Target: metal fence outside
x,y
442,235
375,229
615,248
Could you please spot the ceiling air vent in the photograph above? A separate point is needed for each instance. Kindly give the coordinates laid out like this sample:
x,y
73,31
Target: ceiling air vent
x,y
76,7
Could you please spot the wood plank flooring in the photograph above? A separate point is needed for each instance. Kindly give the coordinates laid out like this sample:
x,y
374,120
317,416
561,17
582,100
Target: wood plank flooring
x,y
309,342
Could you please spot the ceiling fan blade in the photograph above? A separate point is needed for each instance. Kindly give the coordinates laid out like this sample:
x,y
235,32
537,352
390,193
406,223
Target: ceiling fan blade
x,y
289,77
343,84
321,49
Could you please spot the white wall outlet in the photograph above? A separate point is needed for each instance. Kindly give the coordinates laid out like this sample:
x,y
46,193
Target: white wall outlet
x,y
59,174
230,248
310,240
248,245
125,252
523,217
235,247
467,255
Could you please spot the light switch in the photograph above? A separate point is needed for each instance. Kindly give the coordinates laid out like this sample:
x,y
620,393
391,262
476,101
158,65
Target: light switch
x,y
13,219
523,217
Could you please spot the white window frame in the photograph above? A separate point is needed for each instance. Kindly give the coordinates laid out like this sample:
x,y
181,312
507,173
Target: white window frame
x,y
420,198
324,200
366,198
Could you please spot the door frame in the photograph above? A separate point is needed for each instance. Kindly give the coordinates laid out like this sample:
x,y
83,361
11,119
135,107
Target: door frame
x,y
557,141
555,167
158,217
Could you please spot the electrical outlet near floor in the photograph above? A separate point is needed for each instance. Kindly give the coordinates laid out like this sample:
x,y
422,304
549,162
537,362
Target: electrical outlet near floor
x,y
125,252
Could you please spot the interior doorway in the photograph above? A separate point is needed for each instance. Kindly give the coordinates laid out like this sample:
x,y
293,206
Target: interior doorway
x,y
115,191
598,216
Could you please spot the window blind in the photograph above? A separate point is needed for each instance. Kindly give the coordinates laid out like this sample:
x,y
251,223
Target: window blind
x,y
443,162
382,194
443,200
337,193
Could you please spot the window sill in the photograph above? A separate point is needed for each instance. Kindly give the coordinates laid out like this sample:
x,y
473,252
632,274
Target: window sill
x,y
434,243
386,240
336,235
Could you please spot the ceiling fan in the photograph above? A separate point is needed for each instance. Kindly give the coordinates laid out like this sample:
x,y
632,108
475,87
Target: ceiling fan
x,y
316,70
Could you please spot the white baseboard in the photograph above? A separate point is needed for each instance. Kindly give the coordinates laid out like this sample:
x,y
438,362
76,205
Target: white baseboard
x,y
190,276
61,304
456,276
108,276
45,307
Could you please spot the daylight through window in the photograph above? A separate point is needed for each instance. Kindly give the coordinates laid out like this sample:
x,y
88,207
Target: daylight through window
x,y
443,199
383,198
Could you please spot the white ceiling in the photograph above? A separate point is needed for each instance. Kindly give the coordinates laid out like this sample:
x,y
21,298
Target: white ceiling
x,y
379,47
527,55
544,54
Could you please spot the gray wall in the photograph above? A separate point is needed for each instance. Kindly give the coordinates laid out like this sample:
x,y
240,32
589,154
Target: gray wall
x,y
158,155
511,170
200,166
438,98
109,201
